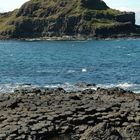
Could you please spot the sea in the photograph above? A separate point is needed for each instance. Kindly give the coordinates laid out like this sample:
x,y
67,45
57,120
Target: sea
x,y
50,64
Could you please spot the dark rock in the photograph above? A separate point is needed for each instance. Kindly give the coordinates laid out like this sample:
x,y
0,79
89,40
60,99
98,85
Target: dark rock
x,y
12,103
127,17
101,131
91,85
59,90
82,128
74,97
85,85
96,4
88,91
107,114
45,19
90,110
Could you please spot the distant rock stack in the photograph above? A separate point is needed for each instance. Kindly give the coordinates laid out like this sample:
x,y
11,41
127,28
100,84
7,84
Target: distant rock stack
x,y
71,18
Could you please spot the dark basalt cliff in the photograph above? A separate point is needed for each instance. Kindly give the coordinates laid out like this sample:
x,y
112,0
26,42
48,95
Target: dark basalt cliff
x,y
59,18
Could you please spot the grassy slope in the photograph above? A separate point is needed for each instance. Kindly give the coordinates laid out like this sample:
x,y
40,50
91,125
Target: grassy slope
x,y
60,8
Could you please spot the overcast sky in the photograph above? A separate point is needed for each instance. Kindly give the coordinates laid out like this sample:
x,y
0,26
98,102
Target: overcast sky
x,y
127,5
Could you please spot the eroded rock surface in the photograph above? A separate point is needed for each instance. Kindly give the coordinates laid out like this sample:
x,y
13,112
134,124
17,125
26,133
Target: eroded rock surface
x,y
104,114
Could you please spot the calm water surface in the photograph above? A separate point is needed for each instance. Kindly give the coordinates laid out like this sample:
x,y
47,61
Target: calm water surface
x,y
64,63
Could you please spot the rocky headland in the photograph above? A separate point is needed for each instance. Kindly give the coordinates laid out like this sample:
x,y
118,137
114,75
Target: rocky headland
x,y
54,114
71,19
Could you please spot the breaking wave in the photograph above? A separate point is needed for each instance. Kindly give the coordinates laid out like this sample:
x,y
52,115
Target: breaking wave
x,y
9,88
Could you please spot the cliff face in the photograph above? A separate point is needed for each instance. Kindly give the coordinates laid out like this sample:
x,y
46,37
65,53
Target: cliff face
x,y
48,18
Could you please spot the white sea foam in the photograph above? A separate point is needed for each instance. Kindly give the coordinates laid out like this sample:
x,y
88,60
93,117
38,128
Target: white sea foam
x,y
84,70
71,71
126,86
65,86
137,91
9,88
48,71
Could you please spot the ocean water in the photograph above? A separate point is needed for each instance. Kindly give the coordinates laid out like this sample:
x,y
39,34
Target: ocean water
x,y
107,63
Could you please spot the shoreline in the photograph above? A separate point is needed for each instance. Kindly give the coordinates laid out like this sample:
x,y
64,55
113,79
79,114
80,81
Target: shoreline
x,y
89,114
75,38
68,87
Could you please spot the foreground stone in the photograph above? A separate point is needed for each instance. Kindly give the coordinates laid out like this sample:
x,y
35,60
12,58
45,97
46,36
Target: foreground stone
x,y
104,114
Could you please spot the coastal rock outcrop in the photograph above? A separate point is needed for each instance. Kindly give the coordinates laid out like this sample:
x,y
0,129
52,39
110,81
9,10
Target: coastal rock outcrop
x,y
38,114
71,18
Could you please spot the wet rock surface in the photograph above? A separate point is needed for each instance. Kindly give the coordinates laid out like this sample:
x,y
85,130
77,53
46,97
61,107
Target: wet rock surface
x,y
102,114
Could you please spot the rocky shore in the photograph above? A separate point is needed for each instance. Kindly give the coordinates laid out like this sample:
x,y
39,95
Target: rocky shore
x,y
54,114
78,38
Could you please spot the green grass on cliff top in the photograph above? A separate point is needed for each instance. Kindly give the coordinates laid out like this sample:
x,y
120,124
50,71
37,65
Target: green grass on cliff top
x,y
61,7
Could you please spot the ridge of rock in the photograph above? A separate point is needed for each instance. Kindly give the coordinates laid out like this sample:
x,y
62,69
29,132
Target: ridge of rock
x,y
58,18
